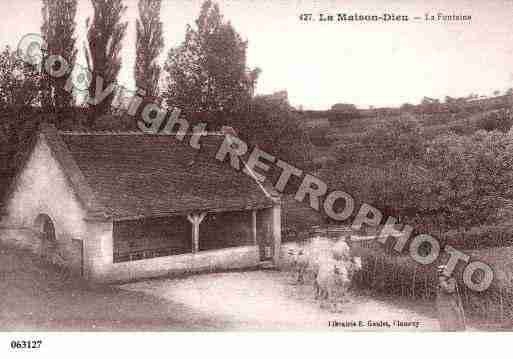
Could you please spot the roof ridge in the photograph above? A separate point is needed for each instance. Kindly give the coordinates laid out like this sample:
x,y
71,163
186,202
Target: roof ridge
x,y
130,133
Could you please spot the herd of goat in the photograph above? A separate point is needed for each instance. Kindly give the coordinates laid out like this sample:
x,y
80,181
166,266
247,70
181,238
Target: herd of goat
x,y
330,263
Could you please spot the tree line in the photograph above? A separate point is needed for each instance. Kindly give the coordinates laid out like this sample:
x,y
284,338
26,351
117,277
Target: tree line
x,y
206,76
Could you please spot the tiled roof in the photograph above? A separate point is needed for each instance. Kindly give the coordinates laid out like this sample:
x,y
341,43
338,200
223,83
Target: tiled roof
x,y
130,175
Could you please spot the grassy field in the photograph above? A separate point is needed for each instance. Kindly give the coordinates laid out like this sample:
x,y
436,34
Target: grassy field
x,y
400,277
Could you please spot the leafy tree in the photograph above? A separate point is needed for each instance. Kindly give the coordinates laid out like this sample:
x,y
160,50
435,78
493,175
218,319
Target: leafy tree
x,y
470,177
393,138
207,73
19,81
394,188
381,166
407,107
499,120
344,107
342,112
398,138
272,124
58,30
208,79
429,105
105,34
149,44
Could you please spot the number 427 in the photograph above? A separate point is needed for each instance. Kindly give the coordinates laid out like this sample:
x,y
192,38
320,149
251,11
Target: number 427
x,y
305,17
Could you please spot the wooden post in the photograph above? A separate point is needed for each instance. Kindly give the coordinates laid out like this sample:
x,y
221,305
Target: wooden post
x,y
195,237
195,219
501,305
426,288
385,274
369,272
396,280
488,314
413,282
365,271
402,282
374,270
276,231
254,226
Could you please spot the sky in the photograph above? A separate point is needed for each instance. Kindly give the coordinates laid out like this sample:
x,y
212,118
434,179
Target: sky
x,y
319,63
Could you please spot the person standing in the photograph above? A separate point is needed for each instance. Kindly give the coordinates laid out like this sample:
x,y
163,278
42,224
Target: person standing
x,y
450,309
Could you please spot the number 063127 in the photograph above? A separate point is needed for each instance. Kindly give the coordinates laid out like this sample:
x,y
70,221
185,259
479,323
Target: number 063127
x,y
26,344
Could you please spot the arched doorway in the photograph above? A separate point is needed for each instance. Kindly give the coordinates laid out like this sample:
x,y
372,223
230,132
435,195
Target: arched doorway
x,y
46,230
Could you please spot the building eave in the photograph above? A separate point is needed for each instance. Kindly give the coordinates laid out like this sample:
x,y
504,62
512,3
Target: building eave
x,y
172,213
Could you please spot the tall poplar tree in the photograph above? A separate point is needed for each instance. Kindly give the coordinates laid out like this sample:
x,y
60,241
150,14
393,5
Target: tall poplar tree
x,y
104,37
149,45
58,30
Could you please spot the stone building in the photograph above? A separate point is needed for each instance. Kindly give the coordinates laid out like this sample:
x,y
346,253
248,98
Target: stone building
x,y
122,206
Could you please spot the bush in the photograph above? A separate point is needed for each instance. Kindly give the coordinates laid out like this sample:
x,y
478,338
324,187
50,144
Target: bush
x,y
482,237
500,120
318,136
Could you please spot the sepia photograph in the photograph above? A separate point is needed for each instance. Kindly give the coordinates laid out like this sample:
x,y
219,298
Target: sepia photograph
x,y
255,166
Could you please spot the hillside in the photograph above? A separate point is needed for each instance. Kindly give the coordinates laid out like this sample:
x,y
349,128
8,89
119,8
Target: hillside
x,y
329,129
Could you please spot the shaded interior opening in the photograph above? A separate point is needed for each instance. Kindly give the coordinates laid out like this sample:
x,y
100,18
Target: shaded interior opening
x,y
151,237
226,230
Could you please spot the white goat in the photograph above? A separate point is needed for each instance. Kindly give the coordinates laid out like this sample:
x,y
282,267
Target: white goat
x,y
331,280
307,258
300,262
341,251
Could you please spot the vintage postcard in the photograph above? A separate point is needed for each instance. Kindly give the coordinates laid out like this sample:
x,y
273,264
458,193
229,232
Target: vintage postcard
x,y
240,165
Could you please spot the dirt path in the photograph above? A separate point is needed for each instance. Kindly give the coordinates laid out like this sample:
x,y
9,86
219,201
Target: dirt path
x,y
269,300
33,297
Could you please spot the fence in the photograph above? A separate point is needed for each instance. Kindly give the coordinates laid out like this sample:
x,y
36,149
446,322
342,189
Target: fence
x,y
398,276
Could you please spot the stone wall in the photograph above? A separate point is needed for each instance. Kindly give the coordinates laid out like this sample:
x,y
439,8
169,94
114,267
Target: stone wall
x,y
216,260
42,188
103,269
